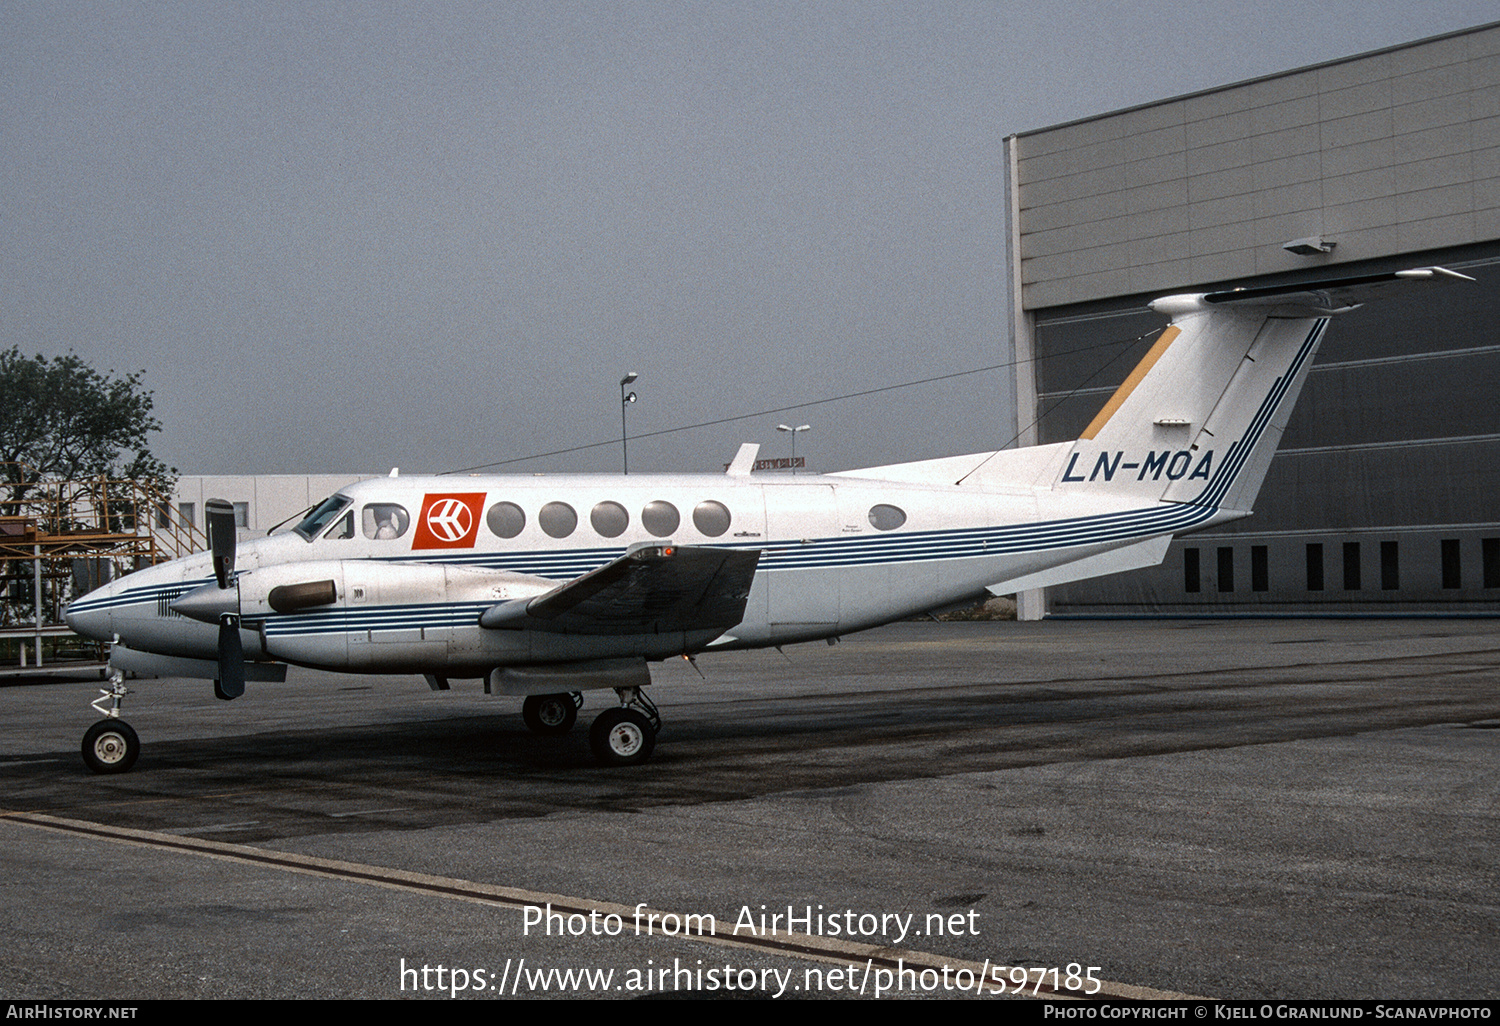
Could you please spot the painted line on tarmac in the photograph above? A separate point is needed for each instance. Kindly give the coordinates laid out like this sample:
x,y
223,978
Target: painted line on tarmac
x,y
796,945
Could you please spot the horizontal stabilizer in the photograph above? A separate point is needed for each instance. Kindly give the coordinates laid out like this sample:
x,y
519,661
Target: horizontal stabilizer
x,y
1330,295
1128,557
652,589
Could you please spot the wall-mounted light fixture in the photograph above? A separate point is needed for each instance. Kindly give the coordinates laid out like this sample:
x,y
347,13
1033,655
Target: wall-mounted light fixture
x,y
1310,246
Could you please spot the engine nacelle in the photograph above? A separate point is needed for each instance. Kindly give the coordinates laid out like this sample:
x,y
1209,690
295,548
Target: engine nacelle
x,y
361,614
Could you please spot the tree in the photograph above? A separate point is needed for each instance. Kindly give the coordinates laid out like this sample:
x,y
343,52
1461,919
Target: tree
x,y
62,420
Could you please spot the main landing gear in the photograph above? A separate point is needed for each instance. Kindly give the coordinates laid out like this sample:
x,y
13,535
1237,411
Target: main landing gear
x,y
111,746
623,736
551,714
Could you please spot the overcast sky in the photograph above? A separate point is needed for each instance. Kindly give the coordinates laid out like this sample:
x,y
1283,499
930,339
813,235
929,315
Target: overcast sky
x,y
343,237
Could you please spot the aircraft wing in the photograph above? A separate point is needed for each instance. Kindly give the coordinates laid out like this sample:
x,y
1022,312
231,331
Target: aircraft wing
x,y
652,589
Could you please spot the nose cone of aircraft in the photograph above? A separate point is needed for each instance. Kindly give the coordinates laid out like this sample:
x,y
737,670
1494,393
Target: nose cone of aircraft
x,y
89,615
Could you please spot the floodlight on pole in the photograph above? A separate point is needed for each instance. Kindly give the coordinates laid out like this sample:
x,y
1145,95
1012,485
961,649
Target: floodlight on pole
x,y
625,400
793,432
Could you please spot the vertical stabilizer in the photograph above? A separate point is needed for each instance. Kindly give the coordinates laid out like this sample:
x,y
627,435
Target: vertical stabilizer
x,y
1200,417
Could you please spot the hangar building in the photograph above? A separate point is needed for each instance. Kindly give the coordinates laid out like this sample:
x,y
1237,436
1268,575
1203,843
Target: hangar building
x,y
1385,494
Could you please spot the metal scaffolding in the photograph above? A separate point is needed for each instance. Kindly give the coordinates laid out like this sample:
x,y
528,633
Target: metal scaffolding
x,y
62,539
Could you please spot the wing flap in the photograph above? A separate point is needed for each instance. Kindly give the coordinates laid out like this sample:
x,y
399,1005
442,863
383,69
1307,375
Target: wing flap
x,y
652,589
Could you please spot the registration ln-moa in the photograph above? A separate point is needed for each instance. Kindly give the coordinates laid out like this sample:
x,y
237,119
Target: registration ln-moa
x,y
546,587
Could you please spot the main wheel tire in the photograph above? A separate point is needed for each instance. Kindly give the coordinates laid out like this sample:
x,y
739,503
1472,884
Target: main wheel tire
x,y
110,746
549,714
622,737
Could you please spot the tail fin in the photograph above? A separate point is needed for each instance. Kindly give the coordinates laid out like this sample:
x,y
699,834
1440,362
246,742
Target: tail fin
x,y
1200,417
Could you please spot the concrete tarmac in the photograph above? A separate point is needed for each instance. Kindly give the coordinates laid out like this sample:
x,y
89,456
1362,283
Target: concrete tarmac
x,y
1233,809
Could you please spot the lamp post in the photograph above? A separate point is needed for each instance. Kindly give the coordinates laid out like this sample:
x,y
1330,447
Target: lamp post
x,y
793,432
625,400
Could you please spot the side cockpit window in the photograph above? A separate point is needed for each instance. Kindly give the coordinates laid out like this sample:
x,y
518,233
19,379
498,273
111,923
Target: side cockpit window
x,y
324,514
383,520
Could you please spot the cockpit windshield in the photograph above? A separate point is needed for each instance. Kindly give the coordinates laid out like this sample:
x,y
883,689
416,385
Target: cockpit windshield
x,y
319,518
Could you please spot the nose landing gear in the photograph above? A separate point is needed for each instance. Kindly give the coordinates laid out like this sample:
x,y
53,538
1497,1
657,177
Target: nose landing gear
x,y
111,745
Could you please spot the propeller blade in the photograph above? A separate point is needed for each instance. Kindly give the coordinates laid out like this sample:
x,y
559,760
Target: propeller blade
x,y
219,515
231,682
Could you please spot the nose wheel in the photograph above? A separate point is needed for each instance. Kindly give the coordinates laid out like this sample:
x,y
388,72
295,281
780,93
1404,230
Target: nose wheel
x,y
111,745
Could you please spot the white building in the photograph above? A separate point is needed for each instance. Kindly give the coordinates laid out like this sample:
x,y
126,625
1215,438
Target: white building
x,y
260,501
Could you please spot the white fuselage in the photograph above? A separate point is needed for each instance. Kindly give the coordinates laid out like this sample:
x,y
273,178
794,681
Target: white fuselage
x,y
838,554
547,586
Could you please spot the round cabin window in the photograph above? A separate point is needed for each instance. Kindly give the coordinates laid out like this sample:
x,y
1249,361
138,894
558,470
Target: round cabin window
x,y
661,518
711,518
609,519
505,519
558,519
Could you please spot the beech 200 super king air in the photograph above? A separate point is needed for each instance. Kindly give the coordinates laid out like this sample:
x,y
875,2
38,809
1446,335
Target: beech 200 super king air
x,y
545,587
